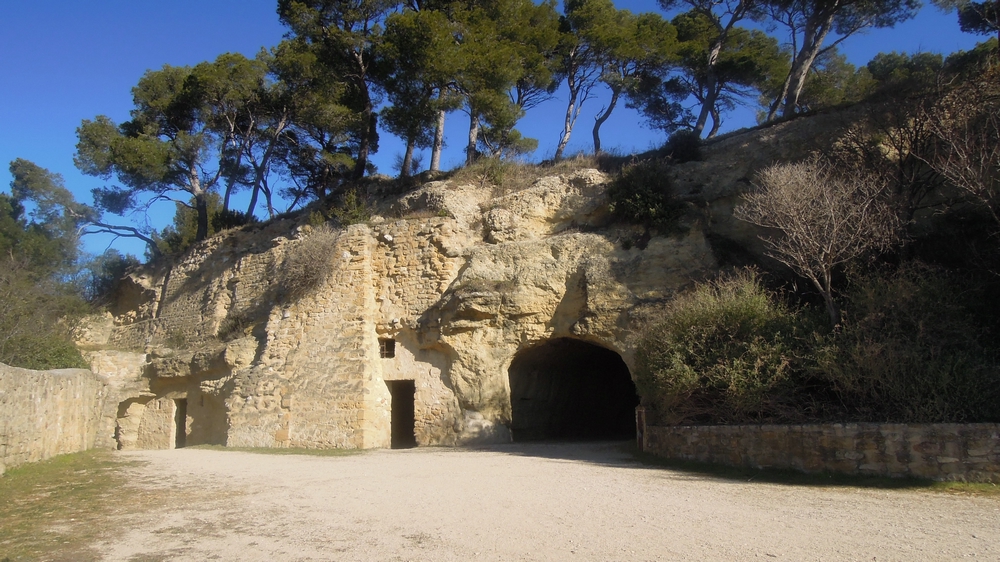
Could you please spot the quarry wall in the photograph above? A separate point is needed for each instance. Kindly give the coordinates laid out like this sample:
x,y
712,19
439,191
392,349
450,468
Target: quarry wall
x,y
48,413
457,278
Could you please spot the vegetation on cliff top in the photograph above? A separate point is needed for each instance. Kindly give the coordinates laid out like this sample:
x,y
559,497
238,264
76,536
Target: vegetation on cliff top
x,y
299,121
899,242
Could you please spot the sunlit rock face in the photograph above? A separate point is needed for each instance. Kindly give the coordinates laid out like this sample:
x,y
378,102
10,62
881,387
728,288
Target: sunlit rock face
x,y
514,313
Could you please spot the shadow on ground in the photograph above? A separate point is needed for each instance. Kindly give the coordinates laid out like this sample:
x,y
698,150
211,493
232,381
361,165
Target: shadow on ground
x,y
625,454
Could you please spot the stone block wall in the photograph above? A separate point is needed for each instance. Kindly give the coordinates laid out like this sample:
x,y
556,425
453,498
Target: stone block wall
x,y
316,384
962,452
183,304
48,413
414,262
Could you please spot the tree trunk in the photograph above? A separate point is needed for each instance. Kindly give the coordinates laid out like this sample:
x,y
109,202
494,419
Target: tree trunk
x,y
470,151
438,143
253,201
707,105
825,287
260,169
832,310
368,122
772,111
811,44
266,189
572,112
603,116
407,159
716,123
201,206
711,84
230,186
568,125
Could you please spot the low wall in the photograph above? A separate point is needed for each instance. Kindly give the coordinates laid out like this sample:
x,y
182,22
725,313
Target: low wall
x,y
966,452
48,413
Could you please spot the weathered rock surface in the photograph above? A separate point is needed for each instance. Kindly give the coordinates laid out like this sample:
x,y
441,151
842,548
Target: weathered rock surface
x,y
231,344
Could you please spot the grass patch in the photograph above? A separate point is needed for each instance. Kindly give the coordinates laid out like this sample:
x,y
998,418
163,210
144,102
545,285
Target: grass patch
x,y
57,508
507,176
282,451
789,477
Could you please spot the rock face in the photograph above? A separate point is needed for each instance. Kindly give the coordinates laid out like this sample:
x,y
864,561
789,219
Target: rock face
x,y
288,335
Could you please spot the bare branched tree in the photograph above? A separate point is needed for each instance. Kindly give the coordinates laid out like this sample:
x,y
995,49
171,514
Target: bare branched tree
x,y
967,124
895,140
823,219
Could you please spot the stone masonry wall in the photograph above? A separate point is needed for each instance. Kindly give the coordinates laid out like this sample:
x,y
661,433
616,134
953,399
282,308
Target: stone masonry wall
x,y
414,263
187,302
316,384
965,452
48,413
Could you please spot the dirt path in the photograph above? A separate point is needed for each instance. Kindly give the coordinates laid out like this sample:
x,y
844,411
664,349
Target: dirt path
x,y
527,502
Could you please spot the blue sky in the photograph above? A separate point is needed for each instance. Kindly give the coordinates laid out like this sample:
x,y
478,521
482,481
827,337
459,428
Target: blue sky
x,y
62,61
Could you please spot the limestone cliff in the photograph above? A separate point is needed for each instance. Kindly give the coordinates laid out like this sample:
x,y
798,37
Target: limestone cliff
x,y
294,335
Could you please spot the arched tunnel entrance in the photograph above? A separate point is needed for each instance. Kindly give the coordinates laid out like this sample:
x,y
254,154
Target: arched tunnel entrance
x,y
570,389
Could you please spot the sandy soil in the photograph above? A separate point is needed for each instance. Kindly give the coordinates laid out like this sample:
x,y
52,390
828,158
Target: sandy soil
x,y
524,502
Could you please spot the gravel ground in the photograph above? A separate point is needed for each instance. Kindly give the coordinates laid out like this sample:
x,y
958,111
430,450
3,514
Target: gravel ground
x,y
523,502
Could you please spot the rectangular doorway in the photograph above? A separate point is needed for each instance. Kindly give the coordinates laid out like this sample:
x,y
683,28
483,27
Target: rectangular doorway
x,y
180,423
403,393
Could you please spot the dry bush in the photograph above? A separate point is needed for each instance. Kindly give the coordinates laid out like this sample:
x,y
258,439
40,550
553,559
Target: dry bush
x,y
894,141
506,176
823,219
967,125
307,265
914,348
235,325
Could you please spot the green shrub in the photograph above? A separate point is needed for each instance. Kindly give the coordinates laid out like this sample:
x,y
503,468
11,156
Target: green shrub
x,y
642,193
683,146
727,352
224,219
42,351
494,170
353,209
37,314
914,349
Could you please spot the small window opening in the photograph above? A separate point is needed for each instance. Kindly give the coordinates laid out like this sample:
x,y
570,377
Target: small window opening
x,y
387,348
